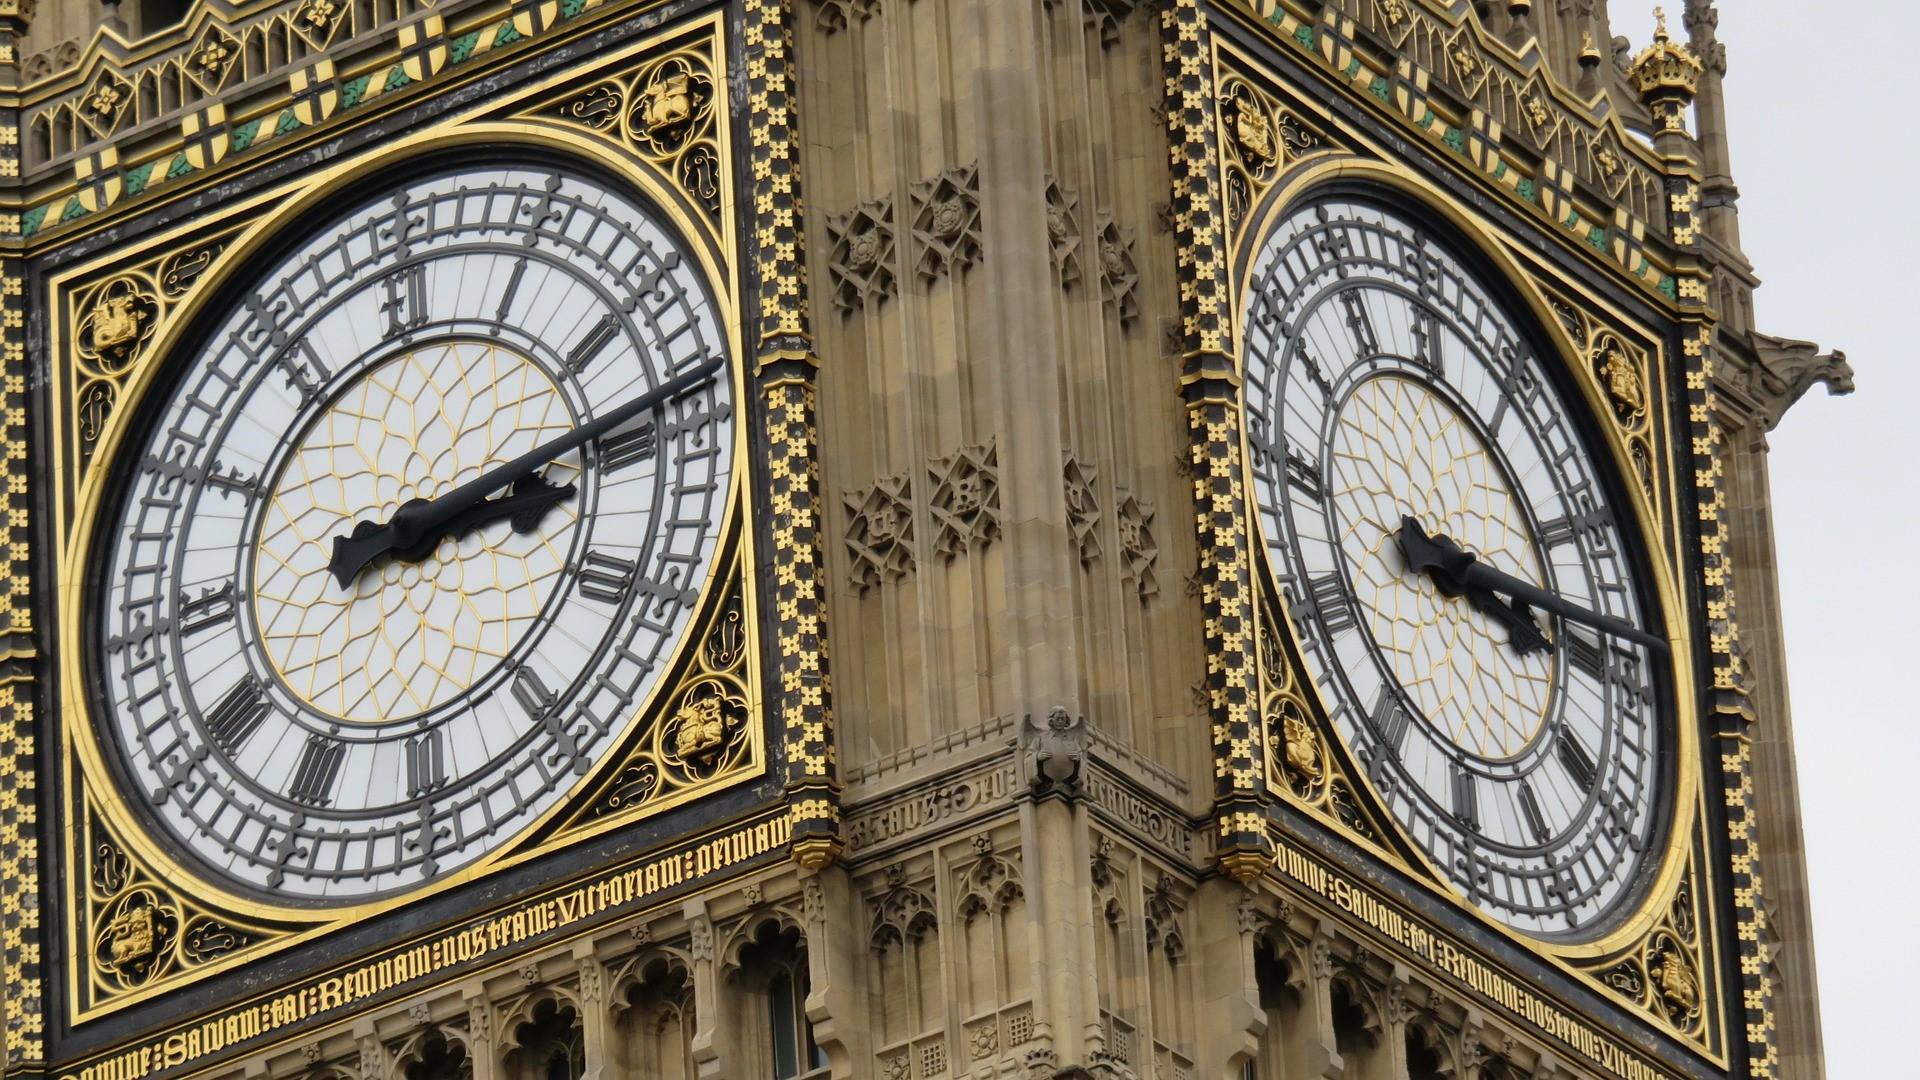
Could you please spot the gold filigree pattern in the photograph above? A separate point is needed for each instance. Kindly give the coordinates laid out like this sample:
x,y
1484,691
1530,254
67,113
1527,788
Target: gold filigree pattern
x,y
665,112
1663,972
1623,373
701,731
115,320
1399,450
1304,759
412,635
140,930
1259,137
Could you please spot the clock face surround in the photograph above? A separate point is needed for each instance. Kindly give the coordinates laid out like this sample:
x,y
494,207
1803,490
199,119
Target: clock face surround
x,y
328,743
1384,383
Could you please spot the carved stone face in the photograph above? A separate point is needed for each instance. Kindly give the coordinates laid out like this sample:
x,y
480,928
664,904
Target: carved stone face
x,y
1130,532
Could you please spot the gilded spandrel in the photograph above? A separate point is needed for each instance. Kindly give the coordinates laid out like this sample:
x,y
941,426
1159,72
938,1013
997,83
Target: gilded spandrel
x,y
1000,649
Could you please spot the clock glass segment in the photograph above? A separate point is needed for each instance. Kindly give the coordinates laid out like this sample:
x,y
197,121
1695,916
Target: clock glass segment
x,y
327,741
1386,381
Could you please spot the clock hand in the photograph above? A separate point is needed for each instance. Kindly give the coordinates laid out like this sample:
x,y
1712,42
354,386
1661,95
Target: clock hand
x,y
1456,571
416,527
1522,632
524,505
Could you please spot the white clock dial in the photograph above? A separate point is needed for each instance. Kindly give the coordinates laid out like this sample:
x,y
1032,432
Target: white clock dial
x,y
329,741
1384,382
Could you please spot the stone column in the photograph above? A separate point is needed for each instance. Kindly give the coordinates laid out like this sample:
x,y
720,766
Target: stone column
x,y
481,1047
1231,1020
1322,1050
596,1018
835,969
707,1004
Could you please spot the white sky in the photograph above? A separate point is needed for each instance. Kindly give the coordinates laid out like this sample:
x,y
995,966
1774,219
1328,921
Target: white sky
x,y
1827,158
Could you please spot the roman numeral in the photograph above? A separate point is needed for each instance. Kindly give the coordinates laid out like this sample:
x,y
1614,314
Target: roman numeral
x,y
1390,720
1530,809
1575,758
318,771
1562,530
1585,655
606,578
236,716
426,763
590,346
513,287
1327,597
1556,532
1360,324
634,444
1499,417
211,608
1427,341
233,481
1304,475
530,690
406,303
1466,797
308,376
1312,367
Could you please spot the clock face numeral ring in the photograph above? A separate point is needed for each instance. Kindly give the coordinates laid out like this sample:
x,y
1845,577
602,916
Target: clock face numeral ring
x,y
329,742
1387,383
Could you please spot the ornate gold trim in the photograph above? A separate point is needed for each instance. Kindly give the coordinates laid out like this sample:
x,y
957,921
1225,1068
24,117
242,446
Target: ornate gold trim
x,y
1645,515
79,483
1209,375
1431,101
1732,713
788,367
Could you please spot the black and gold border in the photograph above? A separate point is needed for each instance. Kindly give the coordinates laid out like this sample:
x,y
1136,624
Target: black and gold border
x,y
1303,762
727,651
1210,384
787,367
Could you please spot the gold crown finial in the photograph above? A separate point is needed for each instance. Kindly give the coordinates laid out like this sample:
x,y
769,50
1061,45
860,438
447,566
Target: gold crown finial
x,y
1666,69
1589,52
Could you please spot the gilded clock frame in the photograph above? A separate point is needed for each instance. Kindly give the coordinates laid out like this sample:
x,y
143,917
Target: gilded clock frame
x,y
260,219
1681,874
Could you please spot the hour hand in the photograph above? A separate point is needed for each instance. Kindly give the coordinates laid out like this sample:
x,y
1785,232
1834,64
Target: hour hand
x,y
411,535
1523,633
1455,571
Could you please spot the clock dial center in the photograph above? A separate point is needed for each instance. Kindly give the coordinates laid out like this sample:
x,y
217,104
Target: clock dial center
x,y
1401,449
413,635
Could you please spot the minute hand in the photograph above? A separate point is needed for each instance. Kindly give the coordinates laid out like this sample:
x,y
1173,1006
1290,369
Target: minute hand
x,y
1467,570
415,521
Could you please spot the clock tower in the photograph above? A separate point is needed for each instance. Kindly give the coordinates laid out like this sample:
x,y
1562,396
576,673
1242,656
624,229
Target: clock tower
x,y
566,539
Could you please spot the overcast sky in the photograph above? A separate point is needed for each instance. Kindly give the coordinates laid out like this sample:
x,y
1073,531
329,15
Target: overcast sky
x,y
1826,155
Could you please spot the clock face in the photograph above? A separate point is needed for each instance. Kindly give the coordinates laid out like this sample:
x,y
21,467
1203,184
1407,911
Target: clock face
x,y
330,742
1383,381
